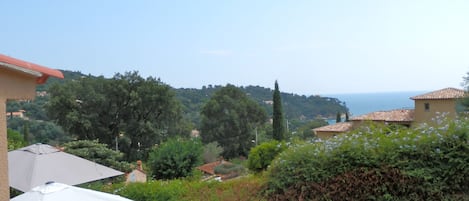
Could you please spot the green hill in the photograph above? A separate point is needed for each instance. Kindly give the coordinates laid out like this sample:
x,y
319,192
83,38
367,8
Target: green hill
x,y
298,109
295,106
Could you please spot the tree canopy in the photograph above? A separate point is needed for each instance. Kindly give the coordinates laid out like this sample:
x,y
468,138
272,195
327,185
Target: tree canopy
x,y
126,111
230,118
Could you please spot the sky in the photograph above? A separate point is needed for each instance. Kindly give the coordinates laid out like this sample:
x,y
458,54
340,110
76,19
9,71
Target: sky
x,y
310,47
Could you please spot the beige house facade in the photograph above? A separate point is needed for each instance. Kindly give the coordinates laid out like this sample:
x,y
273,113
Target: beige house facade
x,y
18,80
428,106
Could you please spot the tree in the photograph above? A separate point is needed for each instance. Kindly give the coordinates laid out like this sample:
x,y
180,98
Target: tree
x,y
463,104
128,112
211,152
278,121
338,118
347,117
175,158
230,118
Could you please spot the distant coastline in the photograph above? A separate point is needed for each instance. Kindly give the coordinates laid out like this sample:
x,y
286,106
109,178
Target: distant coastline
x,y
363,103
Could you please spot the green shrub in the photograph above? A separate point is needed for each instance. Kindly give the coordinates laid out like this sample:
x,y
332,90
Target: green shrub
x,y
245,188
383,183
432,161
262,155
175,158
15,140
154,190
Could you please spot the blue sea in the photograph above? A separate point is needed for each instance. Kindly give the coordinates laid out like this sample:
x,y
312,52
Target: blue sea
x,y
363,103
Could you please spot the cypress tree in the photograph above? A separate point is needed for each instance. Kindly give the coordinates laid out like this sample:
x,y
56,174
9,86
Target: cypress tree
x,y
26,136
338,118
278,122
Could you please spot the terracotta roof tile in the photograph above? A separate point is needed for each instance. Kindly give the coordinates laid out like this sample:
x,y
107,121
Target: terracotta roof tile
x,y
399,115
209,167
446,93
338,127
44,71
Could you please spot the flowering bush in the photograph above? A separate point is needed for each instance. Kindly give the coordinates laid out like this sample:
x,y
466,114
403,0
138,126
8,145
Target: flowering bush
x,y
432,160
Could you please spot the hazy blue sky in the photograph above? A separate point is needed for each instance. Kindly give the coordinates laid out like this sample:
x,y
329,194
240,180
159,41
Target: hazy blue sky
x,y
310,46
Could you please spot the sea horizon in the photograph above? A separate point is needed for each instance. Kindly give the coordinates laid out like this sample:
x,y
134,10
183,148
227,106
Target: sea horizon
x,y
363,103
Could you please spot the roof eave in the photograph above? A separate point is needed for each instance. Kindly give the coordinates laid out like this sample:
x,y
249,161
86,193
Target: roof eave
x,y
42,73
19,69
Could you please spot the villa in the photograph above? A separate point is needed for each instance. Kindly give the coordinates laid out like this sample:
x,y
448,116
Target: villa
x,y
426,108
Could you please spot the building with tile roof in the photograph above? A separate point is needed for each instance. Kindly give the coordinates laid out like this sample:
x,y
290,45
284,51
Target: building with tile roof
x,y
136,175
427,107
332,130
398,116
18,80
442,94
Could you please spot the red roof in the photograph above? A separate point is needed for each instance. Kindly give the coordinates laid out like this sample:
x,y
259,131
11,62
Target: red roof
x,y
209,167
44,71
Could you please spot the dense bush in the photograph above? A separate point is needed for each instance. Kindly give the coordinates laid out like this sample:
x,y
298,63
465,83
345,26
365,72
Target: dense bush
x,y
262,155
154,190
245,188
431,162
383,183
175,158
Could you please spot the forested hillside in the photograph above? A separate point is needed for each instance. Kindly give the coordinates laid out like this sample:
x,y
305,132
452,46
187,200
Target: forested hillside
x,y
295,106
298,109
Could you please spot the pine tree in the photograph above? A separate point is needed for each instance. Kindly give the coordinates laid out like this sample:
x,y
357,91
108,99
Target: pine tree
x,y
278,121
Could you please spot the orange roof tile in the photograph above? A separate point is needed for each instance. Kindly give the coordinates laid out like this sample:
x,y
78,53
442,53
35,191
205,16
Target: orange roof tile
x,y
399,115
338,127
446,93
209,167
44,71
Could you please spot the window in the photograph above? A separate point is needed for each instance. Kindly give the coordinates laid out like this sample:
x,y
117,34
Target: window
x,y
427,107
